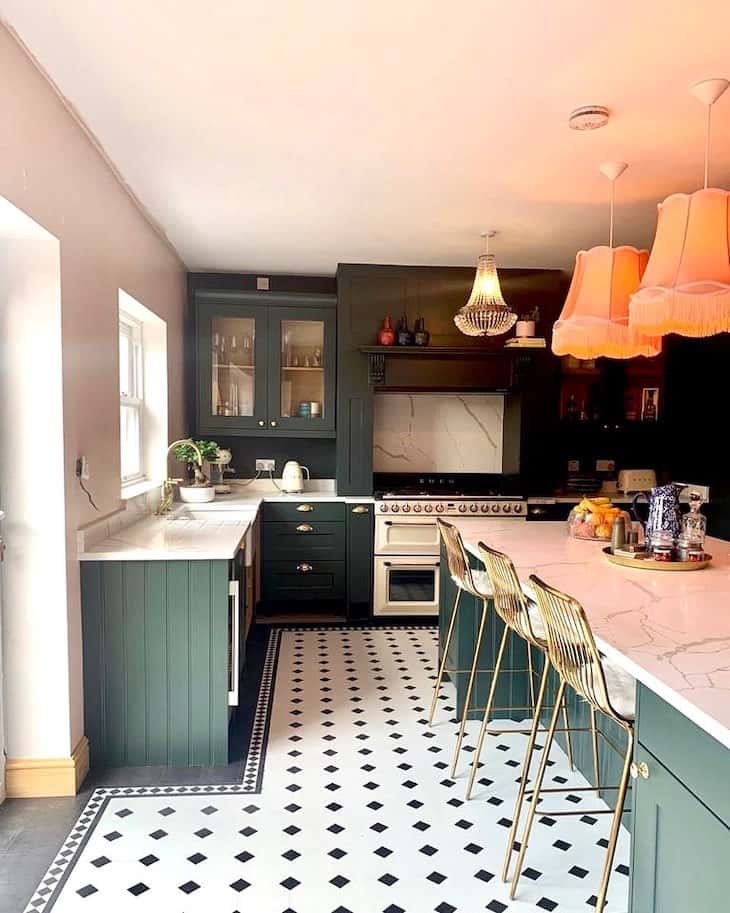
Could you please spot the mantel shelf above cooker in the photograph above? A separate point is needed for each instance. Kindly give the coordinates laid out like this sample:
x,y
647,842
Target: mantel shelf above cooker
x,y
377,355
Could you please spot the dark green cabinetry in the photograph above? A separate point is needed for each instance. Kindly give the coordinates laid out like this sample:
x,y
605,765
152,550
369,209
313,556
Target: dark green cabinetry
x,y
304,552
259,356
681,840
156,661
360,532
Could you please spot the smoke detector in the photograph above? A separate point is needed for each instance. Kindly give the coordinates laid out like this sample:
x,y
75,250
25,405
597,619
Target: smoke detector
x,y
588,117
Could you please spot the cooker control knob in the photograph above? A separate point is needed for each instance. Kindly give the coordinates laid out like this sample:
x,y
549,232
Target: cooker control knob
x,y
462,508
507,508
406,508
485,508
428,508
395,508
439,508
383,508
518,508
473,508
417,508
495,508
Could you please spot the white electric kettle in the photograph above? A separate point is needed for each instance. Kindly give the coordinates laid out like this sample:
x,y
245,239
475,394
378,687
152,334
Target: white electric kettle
x,y
292,477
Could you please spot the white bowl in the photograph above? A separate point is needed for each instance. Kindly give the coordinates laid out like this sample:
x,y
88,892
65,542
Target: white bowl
x,y
197,495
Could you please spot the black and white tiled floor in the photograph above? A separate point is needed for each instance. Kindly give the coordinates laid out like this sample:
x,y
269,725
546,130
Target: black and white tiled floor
x,y
346,807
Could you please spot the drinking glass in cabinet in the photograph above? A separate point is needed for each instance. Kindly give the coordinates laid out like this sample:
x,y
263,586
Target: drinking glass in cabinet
x,y
302,369
232,365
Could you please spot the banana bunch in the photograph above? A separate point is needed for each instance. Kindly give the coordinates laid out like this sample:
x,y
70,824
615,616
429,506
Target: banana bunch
x,y
593,518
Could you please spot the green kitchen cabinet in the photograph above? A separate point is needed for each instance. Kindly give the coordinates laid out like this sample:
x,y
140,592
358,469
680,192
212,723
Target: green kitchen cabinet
x,y
160,644
265,363
360,533
681,814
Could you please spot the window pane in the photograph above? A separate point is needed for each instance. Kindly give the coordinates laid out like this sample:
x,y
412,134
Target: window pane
x,y
124,379
130,442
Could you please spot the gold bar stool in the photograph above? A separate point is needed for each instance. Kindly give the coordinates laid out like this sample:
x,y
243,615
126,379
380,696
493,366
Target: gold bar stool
x,y
608,689
521,617
476,583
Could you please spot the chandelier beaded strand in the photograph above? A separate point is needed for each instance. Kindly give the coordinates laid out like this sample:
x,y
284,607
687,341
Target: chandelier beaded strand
x,y
485,313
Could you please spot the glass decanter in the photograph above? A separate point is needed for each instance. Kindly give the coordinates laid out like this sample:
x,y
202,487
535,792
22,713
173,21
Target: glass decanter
x,y
694,522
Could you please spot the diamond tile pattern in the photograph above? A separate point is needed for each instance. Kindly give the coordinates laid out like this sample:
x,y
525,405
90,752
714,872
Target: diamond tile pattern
x,y
375,828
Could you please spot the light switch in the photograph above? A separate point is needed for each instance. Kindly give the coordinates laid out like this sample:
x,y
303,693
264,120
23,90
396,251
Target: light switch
x,y
262,283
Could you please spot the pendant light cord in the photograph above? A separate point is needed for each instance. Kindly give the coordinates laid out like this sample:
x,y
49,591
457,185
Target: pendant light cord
x,y
707,146
613,198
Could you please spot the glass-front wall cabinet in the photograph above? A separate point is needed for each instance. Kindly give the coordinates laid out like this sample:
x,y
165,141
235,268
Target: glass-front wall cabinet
x,y
266,368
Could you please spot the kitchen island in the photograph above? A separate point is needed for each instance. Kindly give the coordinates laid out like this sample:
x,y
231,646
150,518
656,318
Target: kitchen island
x,y
671,631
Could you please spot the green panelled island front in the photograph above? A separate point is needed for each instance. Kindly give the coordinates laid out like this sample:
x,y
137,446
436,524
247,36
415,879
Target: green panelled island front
x,y
155,641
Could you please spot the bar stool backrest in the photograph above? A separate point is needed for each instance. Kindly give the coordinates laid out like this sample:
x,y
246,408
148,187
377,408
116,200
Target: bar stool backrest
x,y
571,646
510,602
459,567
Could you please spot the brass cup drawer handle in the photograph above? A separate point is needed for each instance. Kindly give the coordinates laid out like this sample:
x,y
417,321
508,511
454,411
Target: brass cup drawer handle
x,y
305,508
304,568
360,509
639,770
304,528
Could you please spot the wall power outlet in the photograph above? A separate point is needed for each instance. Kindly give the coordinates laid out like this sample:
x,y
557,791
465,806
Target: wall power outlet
x,y
265,465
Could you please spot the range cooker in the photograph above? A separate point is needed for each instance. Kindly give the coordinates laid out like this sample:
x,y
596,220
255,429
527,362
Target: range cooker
x,y
406,566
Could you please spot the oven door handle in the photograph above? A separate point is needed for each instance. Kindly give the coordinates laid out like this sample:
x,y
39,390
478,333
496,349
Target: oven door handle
x,y
412,566
406,522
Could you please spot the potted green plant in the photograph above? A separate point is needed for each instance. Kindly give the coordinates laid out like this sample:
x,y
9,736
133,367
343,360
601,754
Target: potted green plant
x,y
197,488
527,323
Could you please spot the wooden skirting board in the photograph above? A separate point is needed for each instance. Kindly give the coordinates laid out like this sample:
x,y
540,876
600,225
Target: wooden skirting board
x,y
32,778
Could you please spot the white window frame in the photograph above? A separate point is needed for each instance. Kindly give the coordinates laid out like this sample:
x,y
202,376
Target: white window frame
x,y
134,398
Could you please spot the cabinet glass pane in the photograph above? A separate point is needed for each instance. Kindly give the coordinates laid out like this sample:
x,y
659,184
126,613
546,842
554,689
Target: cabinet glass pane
x,y
302,371
232,365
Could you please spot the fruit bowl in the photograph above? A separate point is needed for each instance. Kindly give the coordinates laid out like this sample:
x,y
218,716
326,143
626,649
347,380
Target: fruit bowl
x,y
593,518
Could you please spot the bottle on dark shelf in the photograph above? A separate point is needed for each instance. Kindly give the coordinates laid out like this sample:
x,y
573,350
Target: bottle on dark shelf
x,y
571,410
405,337
386,334
421,336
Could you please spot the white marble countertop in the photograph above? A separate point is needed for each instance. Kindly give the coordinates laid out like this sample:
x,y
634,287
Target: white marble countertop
x,y
671,631
191,532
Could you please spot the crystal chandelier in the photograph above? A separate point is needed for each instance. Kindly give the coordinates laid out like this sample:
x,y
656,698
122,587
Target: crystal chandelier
x,y
485,313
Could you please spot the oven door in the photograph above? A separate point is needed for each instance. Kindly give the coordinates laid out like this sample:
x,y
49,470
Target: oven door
x,y
406,585
409,535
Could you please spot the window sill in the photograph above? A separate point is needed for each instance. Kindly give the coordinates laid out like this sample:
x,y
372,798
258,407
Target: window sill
x,y
133,489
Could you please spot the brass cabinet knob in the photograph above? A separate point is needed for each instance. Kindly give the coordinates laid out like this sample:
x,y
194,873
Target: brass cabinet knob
x,y
305,508
304,528
273,423
261,423
304,568
360,509
639,770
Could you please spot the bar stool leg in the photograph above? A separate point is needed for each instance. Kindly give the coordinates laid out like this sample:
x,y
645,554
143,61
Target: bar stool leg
x,y
568,739
442,665
524,779
616,822
538,786
530,682
487,710
470,686
596,763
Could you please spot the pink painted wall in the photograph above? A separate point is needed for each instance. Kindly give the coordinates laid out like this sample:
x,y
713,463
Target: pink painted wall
x,y
50,169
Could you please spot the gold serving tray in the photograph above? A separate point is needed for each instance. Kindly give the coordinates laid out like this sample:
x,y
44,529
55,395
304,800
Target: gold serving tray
x,y
648,564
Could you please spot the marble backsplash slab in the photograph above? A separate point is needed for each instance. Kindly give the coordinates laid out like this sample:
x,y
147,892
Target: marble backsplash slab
x,y
439,432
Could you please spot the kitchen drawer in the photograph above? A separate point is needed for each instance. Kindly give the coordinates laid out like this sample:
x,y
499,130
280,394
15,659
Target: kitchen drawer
x,y
304,538
693,756
298,580
333,511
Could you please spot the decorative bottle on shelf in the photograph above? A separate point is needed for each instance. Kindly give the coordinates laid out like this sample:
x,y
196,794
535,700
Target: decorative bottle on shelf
x,y
386,334
571,410
405,337
421,336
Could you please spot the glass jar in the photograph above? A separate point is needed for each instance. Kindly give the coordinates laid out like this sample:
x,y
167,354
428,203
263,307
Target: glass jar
x,y
592,520
662,545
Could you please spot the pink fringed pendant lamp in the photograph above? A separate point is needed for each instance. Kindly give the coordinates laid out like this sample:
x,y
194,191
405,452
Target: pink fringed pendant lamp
x,y
686,286
594,321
